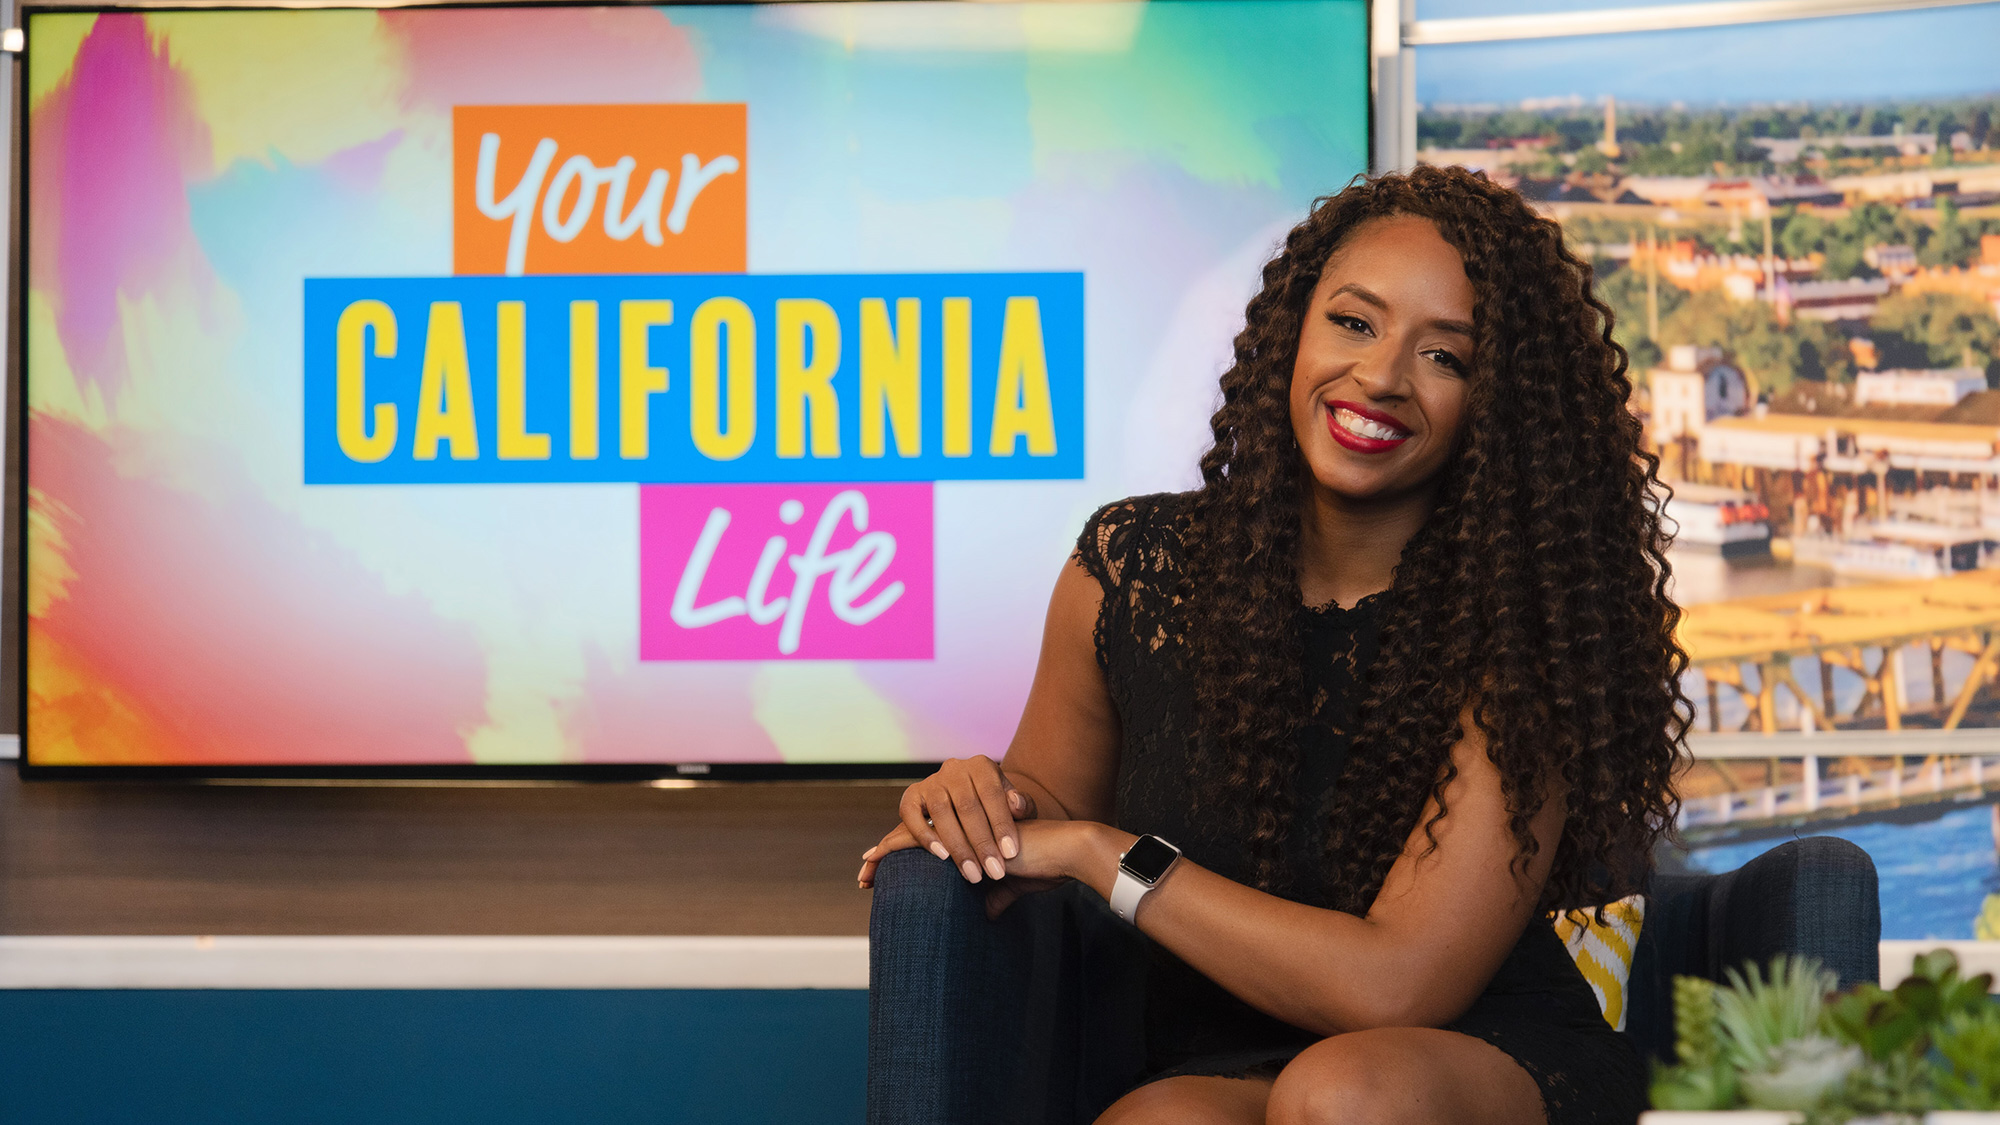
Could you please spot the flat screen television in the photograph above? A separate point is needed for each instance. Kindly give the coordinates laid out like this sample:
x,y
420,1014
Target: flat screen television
x,y
709,391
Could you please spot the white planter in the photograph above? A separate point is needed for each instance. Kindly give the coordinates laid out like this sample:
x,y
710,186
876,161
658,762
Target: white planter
x,y
1960,1117
1779,1117
1720,1117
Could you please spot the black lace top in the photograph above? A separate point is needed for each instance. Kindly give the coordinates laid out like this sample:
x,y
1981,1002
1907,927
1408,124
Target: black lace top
x,y
1538,1007
1134,550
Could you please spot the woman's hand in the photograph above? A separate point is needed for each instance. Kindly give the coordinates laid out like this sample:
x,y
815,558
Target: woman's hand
x,y
1049,854
964,813
1052,853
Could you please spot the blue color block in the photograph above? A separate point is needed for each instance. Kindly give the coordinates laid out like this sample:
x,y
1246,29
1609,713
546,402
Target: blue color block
x,y
387,363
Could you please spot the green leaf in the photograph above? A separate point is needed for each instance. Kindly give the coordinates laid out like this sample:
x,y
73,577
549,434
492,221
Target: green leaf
x,y
1876,1021
1694,1087
1969,1044
1935,965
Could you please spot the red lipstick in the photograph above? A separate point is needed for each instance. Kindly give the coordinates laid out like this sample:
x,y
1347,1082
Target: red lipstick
x,y
1365,443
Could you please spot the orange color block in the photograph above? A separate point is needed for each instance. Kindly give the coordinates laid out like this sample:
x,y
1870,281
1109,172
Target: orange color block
x,y
600,189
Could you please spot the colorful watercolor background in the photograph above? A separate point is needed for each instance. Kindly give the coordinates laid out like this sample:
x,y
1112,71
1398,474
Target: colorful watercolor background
x,y
192,602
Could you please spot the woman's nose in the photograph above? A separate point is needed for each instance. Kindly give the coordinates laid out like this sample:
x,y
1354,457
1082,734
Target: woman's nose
x,y
1381,376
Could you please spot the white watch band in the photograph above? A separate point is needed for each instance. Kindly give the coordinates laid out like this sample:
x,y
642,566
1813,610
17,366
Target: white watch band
x,y
1126,891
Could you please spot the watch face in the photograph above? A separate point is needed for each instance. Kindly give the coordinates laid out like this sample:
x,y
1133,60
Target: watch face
x,y
1149,858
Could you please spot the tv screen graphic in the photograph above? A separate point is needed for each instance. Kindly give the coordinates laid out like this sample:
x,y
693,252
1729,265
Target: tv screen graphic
x,y
1797,227
708,386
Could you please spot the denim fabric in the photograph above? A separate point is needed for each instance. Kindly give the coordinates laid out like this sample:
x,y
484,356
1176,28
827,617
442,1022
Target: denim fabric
x,y
1036,1019
1814,896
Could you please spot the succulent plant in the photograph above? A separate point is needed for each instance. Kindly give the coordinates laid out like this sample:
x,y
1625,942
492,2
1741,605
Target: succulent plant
x,y
1702,1080
1759,1012
1801,1074
1696,1039
1773,1038
1695,1088
1875,1020
1895,1088
1970,1044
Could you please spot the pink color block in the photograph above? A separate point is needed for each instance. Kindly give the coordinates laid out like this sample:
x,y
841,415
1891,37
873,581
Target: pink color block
x,y
721,565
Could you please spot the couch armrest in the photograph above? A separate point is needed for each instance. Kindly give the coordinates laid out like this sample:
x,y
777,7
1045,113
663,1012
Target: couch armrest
x,y
1033,1019
1814,896
945,990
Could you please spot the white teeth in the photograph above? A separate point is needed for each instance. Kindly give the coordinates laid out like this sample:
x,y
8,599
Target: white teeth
x,y
1366,427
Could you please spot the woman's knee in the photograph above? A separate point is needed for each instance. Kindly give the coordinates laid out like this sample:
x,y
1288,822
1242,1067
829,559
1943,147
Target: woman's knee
x,y
1191,1101
1352,1079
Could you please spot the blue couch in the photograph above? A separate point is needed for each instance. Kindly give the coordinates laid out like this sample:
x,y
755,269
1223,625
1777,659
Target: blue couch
x,y
1035,1019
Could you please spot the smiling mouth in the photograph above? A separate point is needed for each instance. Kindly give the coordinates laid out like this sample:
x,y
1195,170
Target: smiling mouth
x,y
1363,430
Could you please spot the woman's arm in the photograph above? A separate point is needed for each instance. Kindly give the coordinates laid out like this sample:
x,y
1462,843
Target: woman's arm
x,y
1065,750
1062,761
1436,934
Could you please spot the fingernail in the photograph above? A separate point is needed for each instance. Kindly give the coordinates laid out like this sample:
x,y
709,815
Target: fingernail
x,y
869,854
1008,847
938,850
995,868
971,870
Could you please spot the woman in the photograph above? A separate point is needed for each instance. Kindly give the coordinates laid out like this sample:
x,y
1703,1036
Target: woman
x,y
1399,680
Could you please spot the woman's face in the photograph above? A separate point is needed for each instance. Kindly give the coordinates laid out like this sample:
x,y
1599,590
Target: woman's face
x,y
1378,391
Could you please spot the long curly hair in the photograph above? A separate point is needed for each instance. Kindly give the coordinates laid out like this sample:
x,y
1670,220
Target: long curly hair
x,y
1535,592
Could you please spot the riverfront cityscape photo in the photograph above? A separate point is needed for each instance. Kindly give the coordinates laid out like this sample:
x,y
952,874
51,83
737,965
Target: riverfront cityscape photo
x,y
1807,283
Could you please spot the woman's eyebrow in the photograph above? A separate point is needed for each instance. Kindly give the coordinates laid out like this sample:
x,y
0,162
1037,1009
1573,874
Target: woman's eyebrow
x,y
1367,296
1362,294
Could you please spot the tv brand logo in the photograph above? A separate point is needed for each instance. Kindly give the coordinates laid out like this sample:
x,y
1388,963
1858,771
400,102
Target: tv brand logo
x,y
599,189
784,571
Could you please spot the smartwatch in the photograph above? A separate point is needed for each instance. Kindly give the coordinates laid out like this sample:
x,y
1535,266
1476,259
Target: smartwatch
x,y
1140,869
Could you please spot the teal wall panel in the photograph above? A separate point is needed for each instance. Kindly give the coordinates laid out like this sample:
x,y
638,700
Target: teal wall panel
x,y
526,1057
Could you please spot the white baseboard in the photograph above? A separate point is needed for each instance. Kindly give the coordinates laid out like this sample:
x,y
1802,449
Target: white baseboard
x,y
530,962
433,962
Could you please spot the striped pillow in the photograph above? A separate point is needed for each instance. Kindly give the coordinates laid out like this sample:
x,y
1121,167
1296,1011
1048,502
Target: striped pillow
x,y
1603,953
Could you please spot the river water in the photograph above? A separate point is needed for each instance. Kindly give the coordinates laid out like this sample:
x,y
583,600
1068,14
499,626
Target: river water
x,y
1935,873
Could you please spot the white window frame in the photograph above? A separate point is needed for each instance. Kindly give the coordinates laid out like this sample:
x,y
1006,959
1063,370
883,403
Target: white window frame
x,y
1395,33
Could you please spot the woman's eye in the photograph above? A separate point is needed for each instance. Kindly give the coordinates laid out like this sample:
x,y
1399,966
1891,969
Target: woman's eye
x,y
1351,323
1446,360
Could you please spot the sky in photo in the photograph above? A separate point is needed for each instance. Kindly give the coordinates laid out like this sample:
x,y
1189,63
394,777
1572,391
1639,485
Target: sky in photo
x,y
1941,52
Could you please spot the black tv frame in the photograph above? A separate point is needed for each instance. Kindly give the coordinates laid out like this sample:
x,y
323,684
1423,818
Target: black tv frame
x,y
673,774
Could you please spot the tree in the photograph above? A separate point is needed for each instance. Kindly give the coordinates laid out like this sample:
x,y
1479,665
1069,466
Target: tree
x,y
1624,289
1798,235
1844,242
1956,242
1590,161
1774,355
1938,329
1439,132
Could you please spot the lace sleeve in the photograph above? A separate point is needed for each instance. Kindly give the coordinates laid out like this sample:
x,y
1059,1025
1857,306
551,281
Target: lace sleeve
x,y
1131,547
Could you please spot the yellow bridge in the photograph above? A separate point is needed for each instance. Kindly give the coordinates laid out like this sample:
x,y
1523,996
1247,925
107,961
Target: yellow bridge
x,y
1858,628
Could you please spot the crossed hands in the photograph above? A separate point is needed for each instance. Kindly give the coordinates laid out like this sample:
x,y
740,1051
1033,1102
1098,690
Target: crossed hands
x,y
971,816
